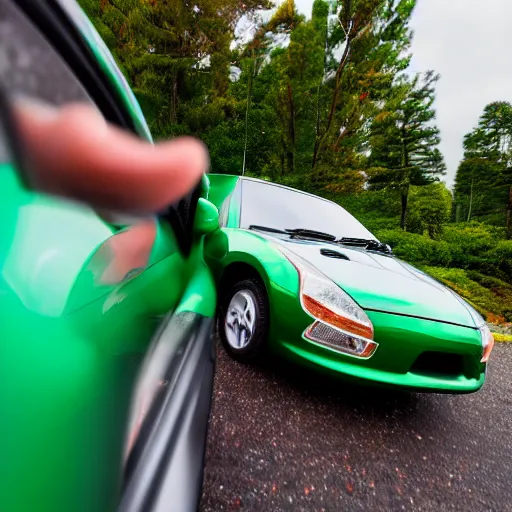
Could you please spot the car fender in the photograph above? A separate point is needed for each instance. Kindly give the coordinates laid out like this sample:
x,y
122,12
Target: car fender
x,y
281,279
248,247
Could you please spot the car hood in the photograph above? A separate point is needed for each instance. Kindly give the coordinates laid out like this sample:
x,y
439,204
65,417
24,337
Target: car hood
x,y
384,283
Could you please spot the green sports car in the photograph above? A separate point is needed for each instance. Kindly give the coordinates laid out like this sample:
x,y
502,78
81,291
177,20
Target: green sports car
x,y
300,274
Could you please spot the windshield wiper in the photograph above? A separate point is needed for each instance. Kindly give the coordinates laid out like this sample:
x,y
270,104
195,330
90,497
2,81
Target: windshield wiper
x,y
368,244
267,228
310,233
297,232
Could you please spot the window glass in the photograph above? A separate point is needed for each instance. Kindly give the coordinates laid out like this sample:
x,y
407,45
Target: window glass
x,y
224,211
29,66
4,150
281,208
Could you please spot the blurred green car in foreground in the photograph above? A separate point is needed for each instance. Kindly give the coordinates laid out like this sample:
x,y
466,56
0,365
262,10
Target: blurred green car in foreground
x,y
106,354
300,274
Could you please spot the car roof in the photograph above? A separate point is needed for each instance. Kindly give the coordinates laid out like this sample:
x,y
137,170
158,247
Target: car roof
x,y
271,183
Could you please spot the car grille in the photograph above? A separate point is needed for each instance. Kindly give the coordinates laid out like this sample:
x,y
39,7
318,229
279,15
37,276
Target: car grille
x,y
439,363
326,335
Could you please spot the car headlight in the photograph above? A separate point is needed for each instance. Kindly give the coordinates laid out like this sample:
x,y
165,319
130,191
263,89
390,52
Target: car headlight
x,y
340,323
487,343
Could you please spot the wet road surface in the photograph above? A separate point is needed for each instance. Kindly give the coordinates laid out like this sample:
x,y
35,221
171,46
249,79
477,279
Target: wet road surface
x,y
287,439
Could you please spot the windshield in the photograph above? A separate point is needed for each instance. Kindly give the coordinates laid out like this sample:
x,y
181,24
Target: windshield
x,y
265,204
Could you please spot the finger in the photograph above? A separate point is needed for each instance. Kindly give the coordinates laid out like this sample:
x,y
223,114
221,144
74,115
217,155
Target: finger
x,y
79,155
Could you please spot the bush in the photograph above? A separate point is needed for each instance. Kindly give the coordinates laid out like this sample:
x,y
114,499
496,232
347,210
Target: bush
x,y
376,210
470,246
471,238
503,255
381,204
417,249
430,208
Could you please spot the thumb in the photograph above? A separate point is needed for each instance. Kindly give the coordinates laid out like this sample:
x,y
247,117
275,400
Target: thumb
x,y
79,155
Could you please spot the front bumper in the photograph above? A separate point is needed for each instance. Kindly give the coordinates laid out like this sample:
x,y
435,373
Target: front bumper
x,y
402,340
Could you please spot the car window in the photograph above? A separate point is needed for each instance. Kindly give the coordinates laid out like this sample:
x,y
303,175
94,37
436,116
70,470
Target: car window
x,y
4,149
29,66
277,207
227,207
31,69
224,211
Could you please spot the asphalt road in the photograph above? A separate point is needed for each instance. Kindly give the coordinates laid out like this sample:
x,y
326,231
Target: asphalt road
x,y
287,439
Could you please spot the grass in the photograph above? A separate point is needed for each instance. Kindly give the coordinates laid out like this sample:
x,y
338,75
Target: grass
x,y
502,338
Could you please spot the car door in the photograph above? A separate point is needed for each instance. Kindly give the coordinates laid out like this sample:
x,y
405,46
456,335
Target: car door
x,y
82,297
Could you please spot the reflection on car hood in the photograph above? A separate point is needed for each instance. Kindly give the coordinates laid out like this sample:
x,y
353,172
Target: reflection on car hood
x,y
384,283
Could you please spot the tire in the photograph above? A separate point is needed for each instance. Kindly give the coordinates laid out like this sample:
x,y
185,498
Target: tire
x,y
243,321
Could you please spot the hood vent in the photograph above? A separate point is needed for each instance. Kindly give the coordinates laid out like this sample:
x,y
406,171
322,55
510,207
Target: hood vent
x,y
333,254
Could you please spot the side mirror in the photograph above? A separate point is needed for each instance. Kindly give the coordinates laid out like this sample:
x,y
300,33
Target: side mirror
x,y
207,217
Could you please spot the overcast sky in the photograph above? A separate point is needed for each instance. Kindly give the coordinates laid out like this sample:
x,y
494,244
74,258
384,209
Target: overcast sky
x,y
469,42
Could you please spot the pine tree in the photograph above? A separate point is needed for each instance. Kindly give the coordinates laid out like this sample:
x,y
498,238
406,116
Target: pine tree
x,y
294,94
474,181
483,184
174,54
366,48
404,139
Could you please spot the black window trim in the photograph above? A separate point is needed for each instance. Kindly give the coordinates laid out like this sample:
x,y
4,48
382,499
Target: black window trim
x,y
60,31
64,36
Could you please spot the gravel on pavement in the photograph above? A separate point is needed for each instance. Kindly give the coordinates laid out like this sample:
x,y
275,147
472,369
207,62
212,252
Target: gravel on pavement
x,y
285,438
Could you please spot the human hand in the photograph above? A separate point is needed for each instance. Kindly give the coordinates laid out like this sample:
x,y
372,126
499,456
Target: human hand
x,y
77,154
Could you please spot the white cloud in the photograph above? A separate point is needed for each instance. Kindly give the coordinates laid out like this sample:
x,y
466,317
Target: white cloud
x,y
468,42
234,73
304,6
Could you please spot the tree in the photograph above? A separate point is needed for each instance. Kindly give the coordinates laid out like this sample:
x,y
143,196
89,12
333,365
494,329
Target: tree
x,y
323,104
430,209
475,178
298,69
281,68
174,54
366,48
404,139
483,184
264,128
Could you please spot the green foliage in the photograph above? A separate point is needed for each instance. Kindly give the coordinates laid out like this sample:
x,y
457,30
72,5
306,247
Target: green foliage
x,y
404,142
417,249
375,37
430,207
164,47
474,182
404,139
286,89
502,253
483,184
377,210
305,108
472,246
